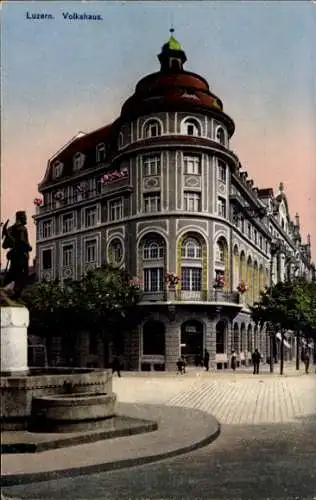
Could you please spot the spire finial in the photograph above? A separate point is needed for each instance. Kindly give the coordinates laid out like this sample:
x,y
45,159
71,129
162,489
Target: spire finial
x,y
171,29
281,187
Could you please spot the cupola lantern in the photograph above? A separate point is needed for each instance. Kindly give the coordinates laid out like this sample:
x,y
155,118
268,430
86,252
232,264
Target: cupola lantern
x,y
172,57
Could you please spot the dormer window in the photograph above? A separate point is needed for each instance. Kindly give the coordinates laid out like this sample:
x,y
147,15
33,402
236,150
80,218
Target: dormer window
x,y
220,135
152,129
121,140
100,152
78,161
191,127
57,169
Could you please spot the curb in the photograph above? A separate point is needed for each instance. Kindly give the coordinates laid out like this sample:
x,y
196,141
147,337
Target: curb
x,y
85,438
18,479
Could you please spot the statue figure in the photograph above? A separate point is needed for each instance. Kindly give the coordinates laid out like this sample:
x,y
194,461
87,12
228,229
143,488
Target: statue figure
x,y
15,238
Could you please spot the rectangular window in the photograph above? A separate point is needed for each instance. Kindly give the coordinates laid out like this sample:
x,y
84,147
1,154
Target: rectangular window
x,y
255,235
154,279
221,207
192,202
249,231
91,250
90,219
152,203
191,279
222,171
67,255
68,223
192,164
153,130
116,209
152,165
260,242
47,228
47,259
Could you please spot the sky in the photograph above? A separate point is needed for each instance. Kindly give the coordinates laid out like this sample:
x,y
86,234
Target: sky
x,y
61,76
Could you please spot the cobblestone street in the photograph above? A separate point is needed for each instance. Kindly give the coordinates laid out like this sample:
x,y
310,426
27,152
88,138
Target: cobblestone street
x,y
267,449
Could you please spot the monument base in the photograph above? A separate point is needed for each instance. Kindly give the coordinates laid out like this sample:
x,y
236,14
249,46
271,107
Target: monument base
x,y
13,353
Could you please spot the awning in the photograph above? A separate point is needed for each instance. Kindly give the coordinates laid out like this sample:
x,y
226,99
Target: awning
x,y
279,337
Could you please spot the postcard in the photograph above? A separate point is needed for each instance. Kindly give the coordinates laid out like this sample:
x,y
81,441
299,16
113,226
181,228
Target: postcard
x,y
158,246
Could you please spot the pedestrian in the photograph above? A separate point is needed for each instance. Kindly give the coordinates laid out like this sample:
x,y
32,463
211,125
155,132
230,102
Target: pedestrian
x,y
233,361
256,358
206,360
184,363
181,365
116,365
306,360
197,360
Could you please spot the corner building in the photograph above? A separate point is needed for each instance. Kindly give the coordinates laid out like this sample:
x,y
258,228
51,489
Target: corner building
x,y
159,191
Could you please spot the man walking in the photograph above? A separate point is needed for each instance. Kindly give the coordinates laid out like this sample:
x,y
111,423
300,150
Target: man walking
x,y
116,365
306,360
256,358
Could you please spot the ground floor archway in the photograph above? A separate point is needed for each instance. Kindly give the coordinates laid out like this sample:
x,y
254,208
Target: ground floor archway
x,y
192,340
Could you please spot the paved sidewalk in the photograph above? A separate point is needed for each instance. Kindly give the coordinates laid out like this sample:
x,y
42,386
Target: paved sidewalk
x,y
231,398
179,431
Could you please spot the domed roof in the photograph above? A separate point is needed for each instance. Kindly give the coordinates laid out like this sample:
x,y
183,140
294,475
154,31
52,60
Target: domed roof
x,y
172,44
173,88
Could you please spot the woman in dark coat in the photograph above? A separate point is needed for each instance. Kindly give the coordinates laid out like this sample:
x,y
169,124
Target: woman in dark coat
x,y
206,360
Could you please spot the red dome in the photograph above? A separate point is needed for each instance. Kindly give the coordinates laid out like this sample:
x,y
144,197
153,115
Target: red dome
x,y
173,88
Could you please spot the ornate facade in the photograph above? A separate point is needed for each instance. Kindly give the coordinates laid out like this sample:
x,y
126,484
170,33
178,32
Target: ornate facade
x,y
160,192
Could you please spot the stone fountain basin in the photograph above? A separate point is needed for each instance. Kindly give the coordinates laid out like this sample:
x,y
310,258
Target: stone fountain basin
x,y
73,407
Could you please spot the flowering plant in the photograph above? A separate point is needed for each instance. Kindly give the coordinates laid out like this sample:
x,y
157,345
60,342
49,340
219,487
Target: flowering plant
x,y
172,279
38,202
242,287
219,281
114,175
136,282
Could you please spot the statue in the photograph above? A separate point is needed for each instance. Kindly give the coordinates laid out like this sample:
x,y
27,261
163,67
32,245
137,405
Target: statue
x,y
15,238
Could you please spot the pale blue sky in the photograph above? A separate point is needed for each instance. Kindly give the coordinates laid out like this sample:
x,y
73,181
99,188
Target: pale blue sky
x,y
62,76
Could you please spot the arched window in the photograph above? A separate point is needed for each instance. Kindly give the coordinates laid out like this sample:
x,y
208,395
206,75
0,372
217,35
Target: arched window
x,y
115,251
191,249
220,135
220,252
152,128
191,127
220,337
153,250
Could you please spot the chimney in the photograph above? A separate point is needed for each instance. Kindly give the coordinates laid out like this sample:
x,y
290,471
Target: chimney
x,y
297,221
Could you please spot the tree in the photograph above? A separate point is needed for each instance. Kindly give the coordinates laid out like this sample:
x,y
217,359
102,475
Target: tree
x,y
287,306
104,302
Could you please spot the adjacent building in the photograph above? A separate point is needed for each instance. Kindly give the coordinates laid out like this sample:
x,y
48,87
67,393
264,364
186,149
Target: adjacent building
x,y
160,192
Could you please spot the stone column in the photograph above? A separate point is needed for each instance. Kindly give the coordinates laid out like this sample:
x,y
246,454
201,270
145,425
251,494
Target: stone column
x,y
14,323
173,340
210,340
132,349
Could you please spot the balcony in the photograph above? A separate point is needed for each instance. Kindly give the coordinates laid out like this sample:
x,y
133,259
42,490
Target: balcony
x,y
186,296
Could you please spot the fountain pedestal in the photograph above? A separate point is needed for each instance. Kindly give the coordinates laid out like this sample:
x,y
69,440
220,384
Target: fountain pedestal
x,y
13,353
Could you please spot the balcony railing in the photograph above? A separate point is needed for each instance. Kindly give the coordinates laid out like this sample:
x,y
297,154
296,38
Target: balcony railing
x,y
216,296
